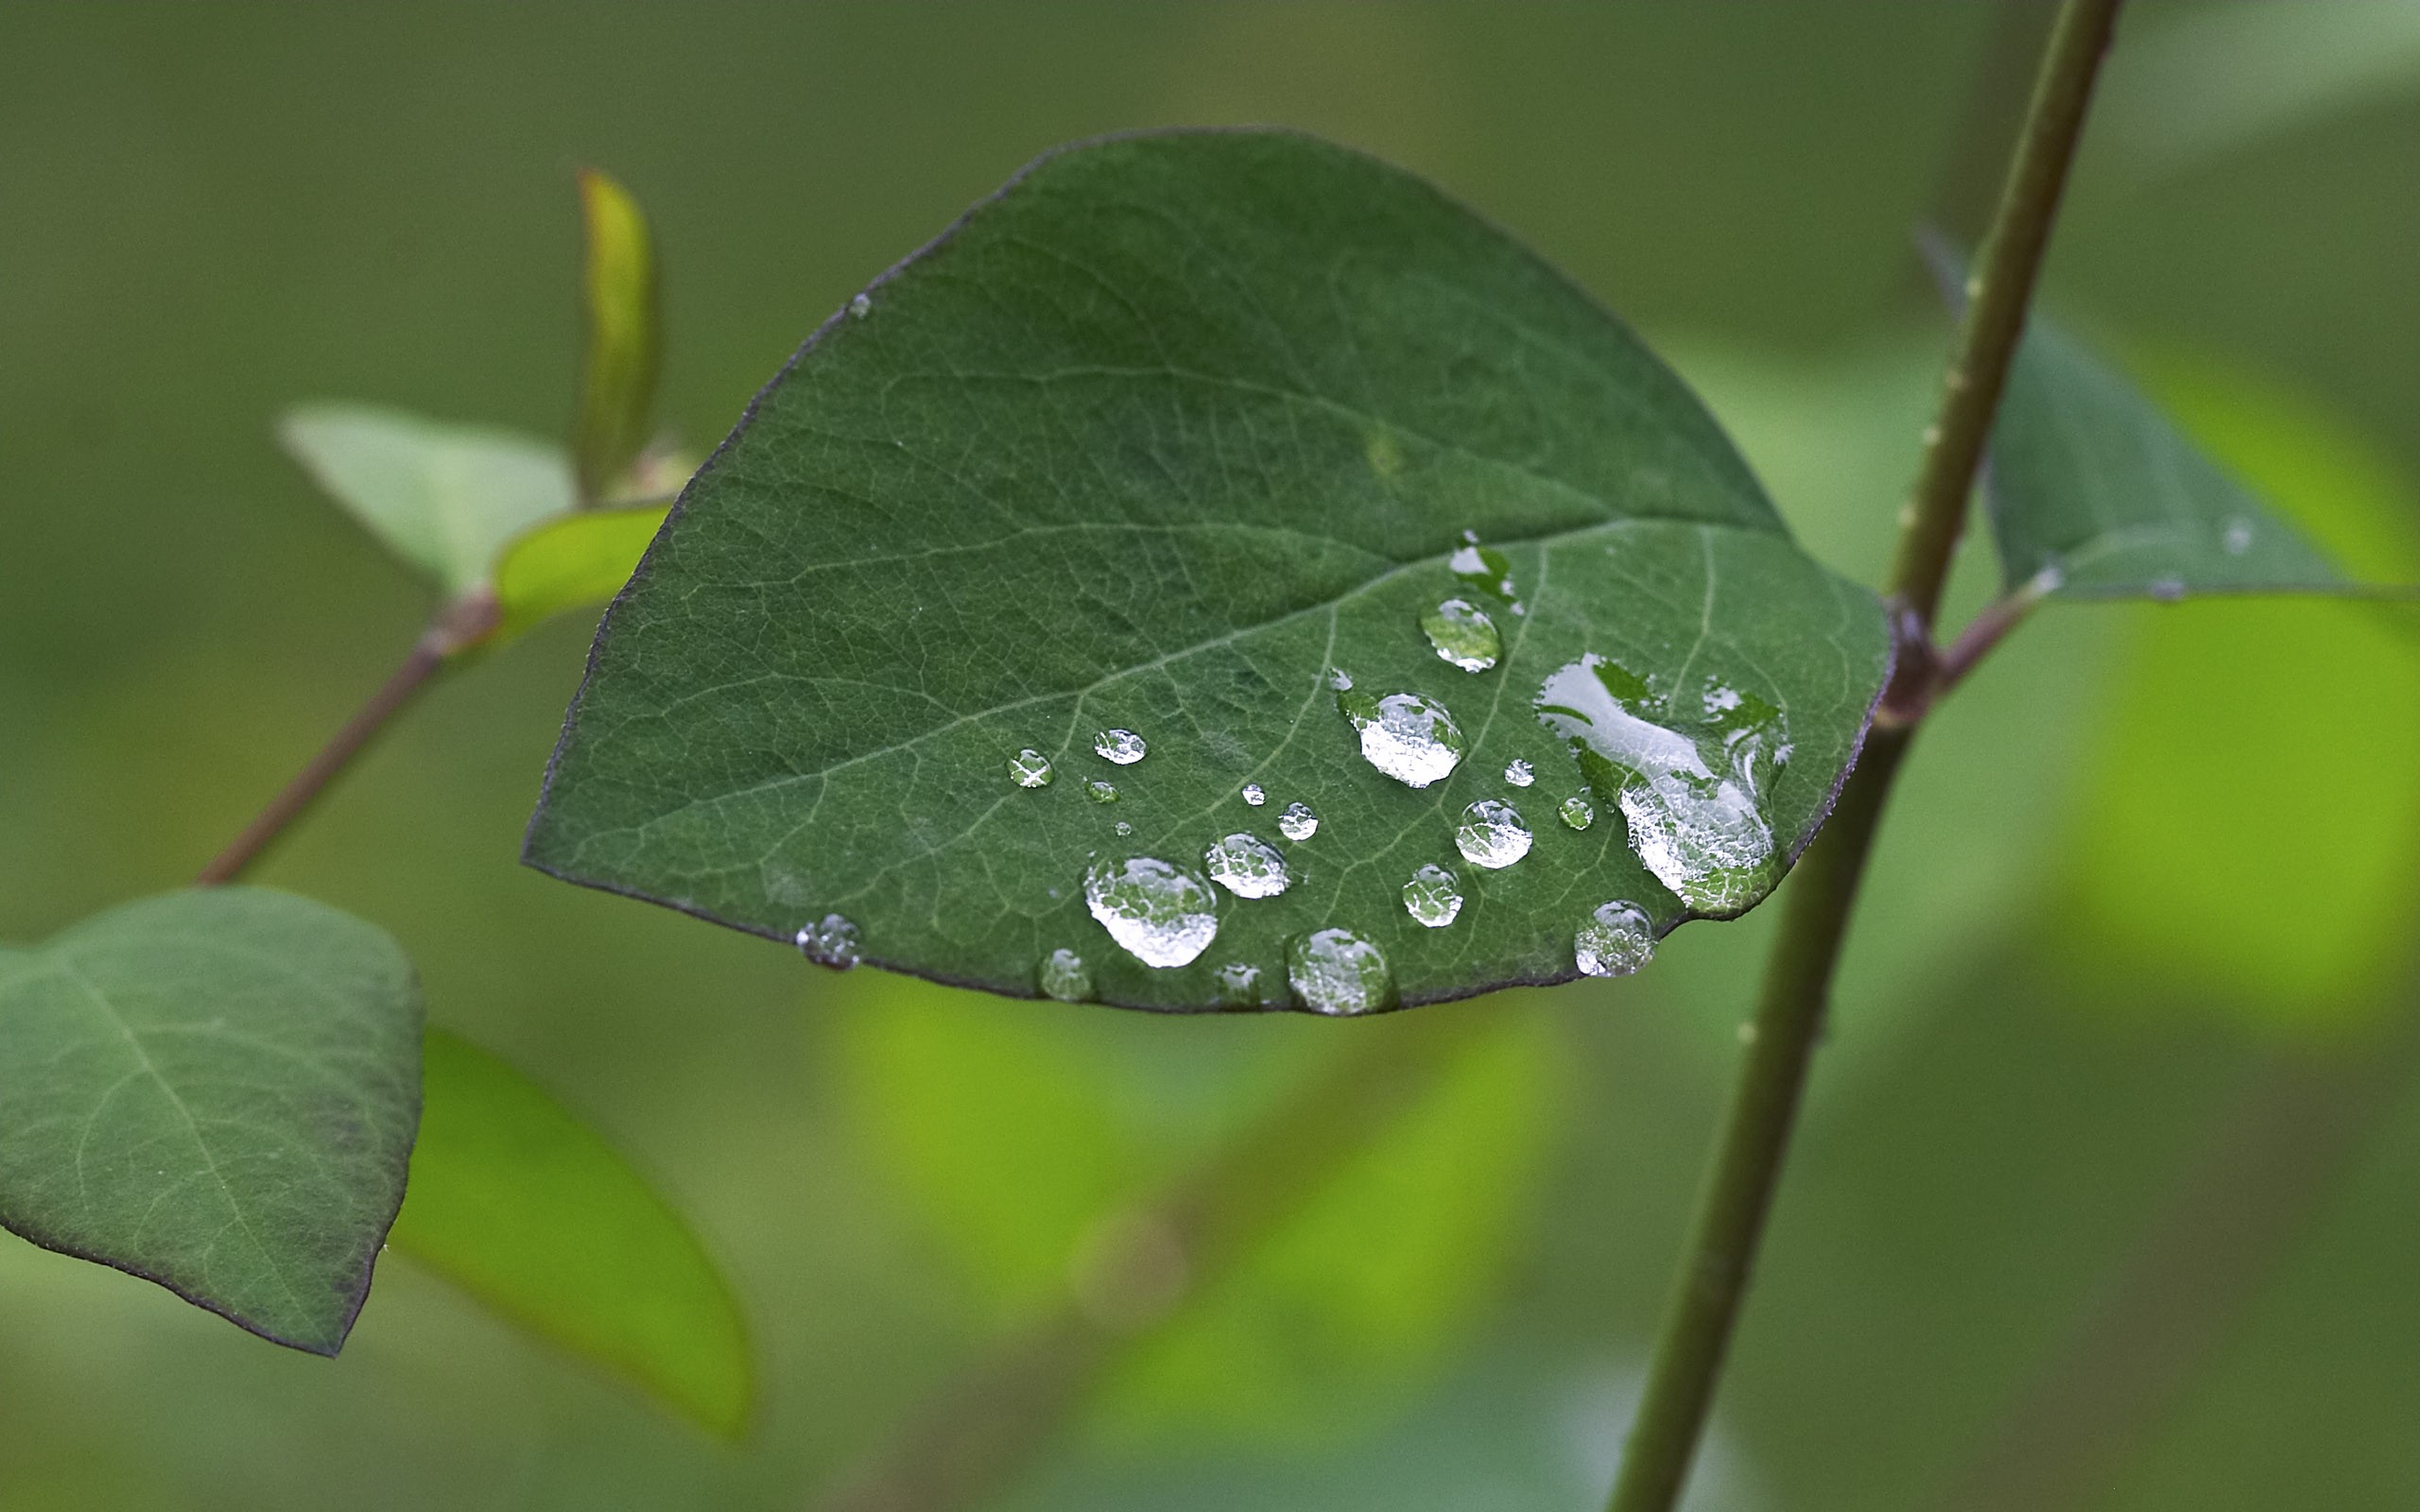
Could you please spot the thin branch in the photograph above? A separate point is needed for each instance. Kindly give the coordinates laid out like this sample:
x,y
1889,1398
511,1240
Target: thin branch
x,y
460,625
1747,1168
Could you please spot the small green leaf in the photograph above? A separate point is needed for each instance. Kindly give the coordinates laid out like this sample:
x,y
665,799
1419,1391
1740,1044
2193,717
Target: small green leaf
x,y
215,1090
1165,438
530,1210
625,336
444,498
570,562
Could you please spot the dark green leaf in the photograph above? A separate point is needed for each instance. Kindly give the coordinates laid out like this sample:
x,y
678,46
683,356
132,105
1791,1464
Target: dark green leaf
x,y
215,1090
527,1210
625,336
570,562
1153,441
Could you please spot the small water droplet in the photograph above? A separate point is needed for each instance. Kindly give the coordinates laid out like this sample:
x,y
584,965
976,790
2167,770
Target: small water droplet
x,y
1298,822
1617,939
1161,913
1576,812
1433,897
1337,972
1064,976
2238,538
1460,632
1481,568
1100,792
2167,590
860,306
831,940
1239,985
1030,768
1124,827
1403,735
1340,679
1520,774
1123,747
1255,794
1247,866
1491,835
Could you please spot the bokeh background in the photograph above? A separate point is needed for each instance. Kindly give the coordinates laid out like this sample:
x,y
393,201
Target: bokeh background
x,y
2109,1193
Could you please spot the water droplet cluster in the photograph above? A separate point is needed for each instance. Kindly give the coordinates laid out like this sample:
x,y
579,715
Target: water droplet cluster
x,y
830,941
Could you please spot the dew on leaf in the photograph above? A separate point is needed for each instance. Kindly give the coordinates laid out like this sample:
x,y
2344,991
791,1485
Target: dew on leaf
x,y
1255,794
1124,827
1030,768
1100,792
831,940
1491,835
1481,568
1403,735
1520,773
1237,985
1617,939
1340,679
1690,788
1064,976
1298,822
2237,538
1123,747
1337,972
2166,589
860,306
1460,632
1159,913
1247,866
1576,812
1433,897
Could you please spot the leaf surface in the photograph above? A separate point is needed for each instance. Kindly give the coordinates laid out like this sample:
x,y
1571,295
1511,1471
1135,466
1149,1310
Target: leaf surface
x,y
444,498
531,1212
215,1091
1159,440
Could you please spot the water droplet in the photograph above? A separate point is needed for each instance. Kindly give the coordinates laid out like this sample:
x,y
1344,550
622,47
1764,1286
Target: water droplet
x,y
1030,768
1247,866
1123,747
1520,774
831,940
1340,679
1462,633
1617,939
1491,835
1576,812
1336,972
1064,976
1403,735
1100,792
2238,538
1255,794
1481,568
2167,590
1433,897
1124,827
860,306
1159,914
1298,822
1690,787
1239,985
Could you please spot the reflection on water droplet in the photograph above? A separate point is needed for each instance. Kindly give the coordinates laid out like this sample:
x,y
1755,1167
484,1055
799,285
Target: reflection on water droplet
x,y
1690,787
1255,794
1491,835
1030,768
1340,679
1433,897
1239,985
1577,813
1100,792
1617,939
1124,827
1403,735
1298,822
1462,633
861,305
1481,568
1247,866
831,940
1123,747
1064,976
1159,914
1520,774
1336,972
2238,538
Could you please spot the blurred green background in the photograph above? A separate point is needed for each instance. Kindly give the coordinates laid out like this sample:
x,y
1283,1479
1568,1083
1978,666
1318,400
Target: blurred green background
x,y
2109,1195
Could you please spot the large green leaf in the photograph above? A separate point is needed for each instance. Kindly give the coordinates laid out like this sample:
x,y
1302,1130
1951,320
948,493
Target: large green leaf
x,y
215,1090
445,498
1159,440
530,1210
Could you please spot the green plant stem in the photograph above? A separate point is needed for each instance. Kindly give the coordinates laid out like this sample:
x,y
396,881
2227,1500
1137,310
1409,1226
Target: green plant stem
x,y
459,624
1747,1168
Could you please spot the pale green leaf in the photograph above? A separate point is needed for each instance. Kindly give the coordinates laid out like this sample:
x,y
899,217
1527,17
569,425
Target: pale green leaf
x,y
569,563
532,1212
625,335
444,498
1156,440
215,1090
